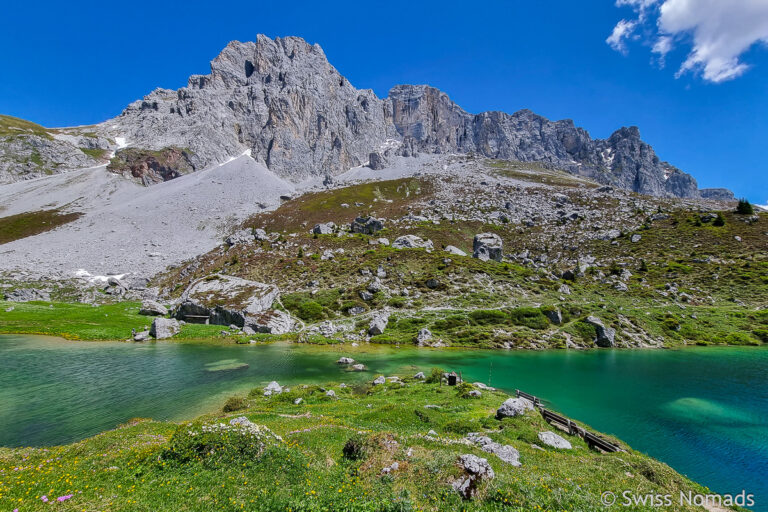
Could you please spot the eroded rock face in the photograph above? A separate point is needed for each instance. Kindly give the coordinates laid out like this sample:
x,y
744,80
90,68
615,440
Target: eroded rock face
x,y
432,123
28,150
278,98
150,167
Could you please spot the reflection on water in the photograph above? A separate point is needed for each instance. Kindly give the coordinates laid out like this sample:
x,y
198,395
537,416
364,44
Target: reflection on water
x,y
703,411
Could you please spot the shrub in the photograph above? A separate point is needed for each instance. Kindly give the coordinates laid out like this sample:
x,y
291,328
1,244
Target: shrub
x,y
720,220
397,302
435,375
744,208
235,403
462,426
740,338
533,318
310,310
585,331
762,334
463,389
215,443
488,317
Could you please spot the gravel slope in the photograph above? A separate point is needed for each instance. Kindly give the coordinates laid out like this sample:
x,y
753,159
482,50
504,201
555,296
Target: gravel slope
x,y
130,229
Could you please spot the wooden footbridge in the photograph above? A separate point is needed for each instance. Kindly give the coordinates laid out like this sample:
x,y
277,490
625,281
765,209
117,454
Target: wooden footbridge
x,y
593,440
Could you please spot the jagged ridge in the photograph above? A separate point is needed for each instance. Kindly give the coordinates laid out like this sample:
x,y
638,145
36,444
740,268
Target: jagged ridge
x,y
282,100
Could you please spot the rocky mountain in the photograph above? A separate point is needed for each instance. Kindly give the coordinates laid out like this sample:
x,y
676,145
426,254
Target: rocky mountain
x,y
282,101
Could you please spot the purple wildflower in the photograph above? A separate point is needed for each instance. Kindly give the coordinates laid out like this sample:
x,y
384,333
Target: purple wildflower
x,y
64,498
44,498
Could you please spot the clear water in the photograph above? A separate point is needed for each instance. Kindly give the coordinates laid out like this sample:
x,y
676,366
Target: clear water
x,y
702,411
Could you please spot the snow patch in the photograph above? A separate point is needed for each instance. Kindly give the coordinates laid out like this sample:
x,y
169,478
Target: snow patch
x,y
121,142
84,274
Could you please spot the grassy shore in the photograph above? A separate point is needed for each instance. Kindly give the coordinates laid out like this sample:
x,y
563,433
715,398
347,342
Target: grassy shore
x,y
476,328
150,466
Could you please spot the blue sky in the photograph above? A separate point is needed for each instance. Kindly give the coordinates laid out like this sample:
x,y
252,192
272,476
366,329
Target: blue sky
x,y
82,62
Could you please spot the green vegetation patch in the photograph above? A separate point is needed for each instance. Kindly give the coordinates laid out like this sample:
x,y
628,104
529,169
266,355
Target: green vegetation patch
x,y
22,225
10,126
328,454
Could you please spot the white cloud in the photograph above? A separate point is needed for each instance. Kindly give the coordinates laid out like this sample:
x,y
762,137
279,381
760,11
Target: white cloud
x,y
719,32
622,31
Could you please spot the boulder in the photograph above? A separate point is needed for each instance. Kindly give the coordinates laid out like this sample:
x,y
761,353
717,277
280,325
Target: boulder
x,y
345,360
326,228
367,225
377,161
272,321
241,420
412,242
476,469
152,308
505,452
487,246
164,328
330,393
606,336
379,380
554,440
243,236
378,324
423,336
454,250
636,238
358,367
273,388
554,316
514,407
141,336
420,376
227,300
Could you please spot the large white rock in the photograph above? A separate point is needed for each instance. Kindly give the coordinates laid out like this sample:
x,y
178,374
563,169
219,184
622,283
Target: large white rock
x,y
164,328
412,242
554,440
514,407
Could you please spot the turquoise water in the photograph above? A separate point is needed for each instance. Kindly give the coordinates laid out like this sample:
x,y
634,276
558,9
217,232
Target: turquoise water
x,y
703,411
